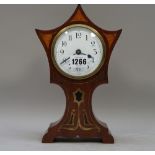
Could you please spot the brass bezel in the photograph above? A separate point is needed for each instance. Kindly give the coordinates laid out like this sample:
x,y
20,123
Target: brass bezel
x,y
53,55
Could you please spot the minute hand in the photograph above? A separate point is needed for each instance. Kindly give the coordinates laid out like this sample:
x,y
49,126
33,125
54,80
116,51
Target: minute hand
x,y
83,53
64,60
79,54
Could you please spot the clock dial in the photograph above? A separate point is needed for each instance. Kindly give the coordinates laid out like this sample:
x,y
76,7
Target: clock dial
x,y
78,51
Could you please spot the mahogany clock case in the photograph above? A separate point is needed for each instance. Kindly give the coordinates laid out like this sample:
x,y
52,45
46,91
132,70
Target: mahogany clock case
x,y
78,122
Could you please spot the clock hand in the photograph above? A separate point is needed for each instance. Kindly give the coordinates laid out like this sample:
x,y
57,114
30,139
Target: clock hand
x,y
89,56
78,52
64,60
83,54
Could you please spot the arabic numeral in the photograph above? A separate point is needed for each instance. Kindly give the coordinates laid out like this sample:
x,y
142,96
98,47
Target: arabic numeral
x,y
78,69
78,35
64,43
84,61
70,37
93,43
95,51
86,37
62,51
80,61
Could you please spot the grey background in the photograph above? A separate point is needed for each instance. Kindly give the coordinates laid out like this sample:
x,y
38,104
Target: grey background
x,y
28,103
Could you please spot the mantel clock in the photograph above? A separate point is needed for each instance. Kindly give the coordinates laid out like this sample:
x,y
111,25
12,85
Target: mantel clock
x,y
78,53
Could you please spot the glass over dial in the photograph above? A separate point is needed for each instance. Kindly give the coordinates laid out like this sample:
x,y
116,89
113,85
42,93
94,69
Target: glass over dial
x,y
78,51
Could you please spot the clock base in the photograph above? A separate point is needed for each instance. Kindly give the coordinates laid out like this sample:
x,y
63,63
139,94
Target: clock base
x,y
55,134
78,122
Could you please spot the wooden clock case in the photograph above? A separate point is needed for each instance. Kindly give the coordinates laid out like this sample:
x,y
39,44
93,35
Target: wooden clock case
x,y
78,122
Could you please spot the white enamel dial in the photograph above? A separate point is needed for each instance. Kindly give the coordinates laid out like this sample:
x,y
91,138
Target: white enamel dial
x,y
78,51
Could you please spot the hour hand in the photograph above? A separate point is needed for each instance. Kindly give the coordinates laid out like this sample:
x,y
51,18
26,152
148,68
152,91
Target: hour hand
x,y
64,60
90,56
